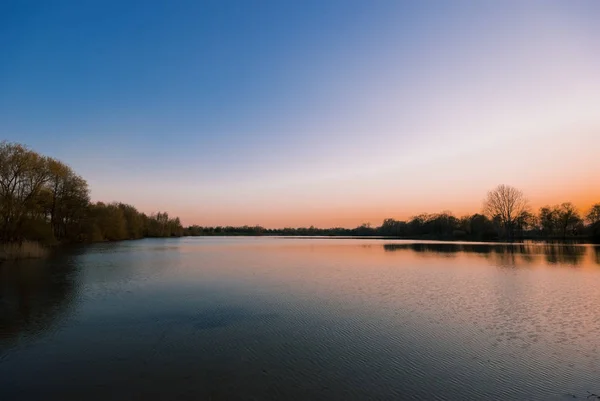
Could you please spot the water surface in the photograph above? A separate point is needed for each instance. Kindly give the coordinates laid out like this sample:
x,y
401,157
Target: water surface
x,y
302,319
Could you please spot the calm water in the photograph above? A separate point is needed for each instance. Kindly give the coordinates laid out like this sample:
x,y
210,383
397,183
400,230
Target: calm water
x,y
302,319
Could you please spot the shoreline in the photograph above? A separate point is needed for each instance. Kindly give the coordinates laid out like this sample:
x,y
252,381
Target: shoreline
x,y
24,250
520,241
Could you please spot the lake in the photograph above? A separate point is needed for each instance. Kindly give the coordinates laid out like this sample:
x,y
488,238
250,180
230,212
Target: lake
x,y
302,319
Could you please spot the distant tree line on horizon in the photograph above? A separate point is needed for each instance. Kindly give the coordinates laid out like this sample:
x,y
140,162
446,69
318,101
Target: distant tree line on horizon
x,y
505,215
44,200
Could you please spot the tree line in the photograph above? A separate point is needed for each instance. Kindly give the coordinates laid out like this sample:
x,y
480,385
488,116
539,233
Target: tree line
x,y
42,199
505,216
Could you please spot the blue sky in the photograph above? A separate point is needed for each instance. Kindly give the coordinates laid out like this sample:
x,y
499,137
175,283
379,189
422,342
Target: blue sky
x,y
306,112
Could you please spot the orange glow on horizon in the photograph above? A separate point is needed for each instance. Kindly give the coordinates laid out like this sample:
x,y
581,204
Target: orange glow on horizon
x,y
374,214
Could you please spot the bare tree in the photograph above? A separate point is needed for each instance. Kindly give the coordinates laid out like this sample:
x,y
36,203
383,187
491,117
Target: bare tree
x,y
506,204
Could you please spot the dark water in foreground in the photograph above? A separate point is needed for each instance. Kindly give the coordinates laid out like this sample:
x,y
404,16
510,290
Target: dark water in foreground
x,y
302,319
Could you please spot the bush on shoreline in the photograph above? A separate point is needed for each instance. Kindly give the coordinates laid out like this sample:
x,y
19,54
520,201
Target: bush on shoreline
x,y
23,250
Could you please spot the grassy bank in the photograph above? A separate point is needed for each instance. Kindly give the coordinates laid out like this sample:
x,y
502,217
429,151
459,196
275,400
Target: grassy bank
x,y
24,250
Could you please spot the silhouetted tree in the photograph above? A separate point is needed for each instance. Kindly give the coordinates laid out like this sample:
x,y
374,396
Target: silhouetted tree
x,y
505,203
593,218
524,221
393,228
569,218
481,227
549,217
593,215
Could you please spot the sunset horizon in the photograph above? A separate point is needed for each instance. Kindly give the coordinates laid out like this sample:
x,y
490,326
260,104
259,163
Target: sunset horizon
x,y
346,215
324,114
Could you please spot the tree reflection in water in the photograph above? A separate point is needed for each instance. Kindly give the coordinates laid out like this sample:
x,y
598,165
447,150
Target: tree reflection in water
x,y
504,254
34,296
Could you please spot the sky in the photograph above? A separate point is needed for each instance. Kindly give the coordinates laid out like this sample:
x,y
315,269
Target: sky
x,y
299,113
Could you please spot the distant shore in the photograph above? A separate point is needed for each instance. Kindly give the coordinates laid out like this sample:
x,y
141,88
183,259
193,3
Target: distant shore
x,y
579,240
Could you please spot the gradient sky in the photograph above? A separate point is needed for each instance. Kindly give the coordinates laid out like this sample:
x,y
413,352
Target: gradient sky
x,y
292,113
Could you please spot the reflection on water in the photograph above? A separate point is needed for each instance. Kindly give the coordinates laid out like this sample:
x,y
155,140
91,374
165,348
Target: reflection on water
x,y
34,295
506,254
302,319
